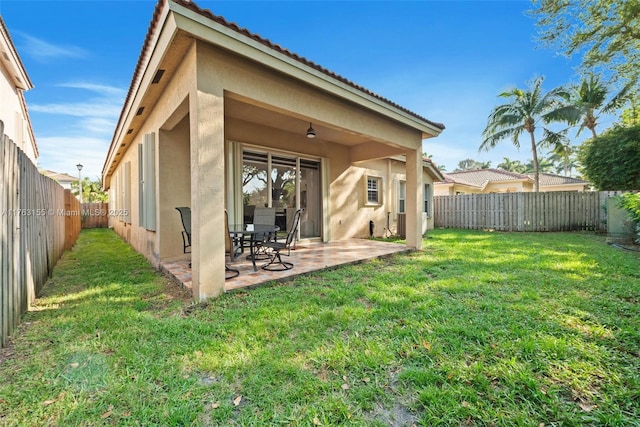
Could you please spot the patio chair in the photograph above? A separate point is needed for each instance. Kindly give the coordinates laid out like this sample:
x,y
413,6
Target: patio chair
x,y
263,216
232,249
276,248
185,216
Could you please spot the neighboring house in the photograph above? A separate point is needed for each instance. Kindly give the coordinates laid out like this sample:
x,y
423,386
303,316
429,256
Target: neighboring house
x,y
483,181
62,178
14,117
217,117
553,182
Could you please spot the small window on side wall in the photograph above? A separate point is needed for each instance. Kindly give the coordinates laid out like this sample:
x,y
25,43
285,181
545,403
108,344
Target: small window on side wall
x,y
374,191
427,199
402,196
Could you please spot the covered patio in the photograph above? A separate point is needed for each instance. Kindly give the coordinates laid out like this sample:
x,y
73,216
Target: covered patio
x,y
223,121
307,257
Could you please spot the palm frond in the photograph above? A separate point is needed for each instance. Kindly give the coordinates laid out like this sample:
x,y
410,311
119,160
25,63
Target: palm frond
x,y
492,139
555,140
567,113
618,99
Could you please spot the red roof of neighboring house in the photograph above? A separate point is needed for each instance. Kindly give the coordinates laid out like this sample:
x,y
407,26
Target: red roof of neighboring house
x,y
479,177
58,176
554,179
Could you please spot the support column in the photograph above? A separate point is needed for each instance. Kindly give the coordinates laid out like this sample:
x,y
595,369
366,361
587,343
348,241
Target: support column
x,y
207,192
415,198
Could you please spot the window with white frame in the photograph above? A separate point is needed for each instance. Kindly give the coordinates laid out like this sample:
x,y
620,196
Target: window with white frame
x,y
402,196
427,199
147,182
374,190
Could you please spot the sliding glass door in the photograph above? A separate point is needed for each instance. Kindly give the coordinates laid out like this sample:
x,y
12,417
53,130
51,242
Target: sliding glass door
x,y
310,199
286,183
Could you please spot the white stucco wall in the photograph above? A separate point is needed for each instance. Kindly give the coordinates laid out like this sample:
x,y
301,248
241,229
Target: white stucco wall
x,y
12,114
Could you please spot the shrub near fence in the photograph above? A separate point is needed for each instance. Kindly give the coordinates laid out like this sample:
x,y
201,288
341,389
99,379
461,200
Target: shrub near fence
x,y
34,232
548,211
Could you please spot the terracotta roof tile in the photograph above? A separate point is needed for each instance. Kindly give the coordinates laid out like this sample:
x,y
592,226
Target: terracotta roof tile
x,y
478,177
553,179
58,176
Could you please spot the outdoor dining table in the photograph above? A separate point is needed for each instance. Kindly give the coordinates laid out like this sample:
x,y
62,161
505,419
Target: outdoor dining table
x,y
253,232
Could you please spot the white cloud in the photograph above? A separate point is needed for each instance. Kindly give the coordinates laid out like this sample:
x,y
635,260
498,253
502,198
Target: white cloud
x,y
107,105
81,109
62,154
43,51
105,90
88,125
98,125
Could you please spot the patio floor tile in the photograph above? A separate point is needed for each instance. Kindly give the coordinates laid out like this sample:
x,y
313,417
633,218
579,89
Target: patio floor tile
x,y
307,257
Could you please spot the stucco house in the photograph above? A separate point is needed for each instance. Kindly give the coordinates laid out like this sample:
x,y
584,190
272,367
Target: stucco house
x,y
64,179
393,173
218,117
15,124
554,182
483,181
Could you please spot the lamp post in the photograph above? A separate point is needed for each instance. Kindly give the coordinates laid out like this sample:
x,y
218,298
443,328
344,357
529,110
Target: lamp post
x,y
79,166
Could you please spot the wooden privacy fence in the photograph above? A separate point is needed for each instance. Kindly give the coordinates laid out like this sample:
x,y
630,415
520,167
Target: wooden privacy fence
x,y
549,211
95,215
35,229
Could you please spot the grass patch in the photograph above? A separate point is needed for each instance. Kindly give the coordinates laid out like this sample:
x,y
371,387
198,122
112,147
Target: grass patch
x,y
477,329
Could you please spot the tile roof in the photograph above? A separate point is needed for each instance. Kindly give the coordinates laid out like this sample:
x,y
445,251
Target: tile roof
x,y
553,179
58,176
220,20
479,177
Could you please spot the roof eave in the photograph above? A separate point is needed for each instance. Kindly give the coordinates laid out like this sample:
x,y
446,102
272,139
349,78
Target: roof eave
x,y
216,30
282,60
12,62
156,27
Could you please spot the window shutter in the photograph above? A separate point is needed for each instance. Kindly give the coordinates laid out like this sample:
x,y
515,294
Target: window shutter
x,y
126,206
150,181
141,209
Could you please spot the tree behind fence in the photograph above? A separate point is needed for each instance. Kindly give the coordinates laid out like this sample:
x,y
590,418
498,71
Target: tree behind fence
x,y
548,211
35,229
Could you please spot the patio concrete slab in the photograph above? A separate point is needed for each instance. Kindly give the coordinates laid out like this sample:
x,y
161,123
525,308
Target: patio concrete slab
x,y
307,257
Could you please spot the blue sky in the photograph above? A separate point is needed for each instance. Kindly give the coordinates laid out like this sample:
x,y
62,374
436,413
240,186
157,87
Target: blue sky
x,y
445,60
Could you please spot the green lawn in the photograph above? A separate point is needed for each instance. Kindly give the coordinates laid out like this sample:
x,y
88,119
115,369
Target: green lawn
x,y
478,329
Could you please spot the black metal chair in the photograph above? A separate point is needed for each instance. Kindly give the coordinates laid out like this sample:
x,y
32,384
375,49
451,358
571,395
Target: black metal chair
x,y
185,216
276,248
232,249
262,216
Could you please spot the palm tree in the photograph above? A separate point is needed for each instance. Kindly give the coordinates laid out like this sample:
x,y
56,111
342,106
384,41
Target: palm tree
x,y
567,167
590,97
91,191
544,166
564,155
511,165
524,111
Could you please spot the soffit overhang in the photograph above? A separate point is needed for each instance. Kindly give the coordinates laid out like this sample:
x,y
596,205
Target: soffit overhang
x,y
172,31
11,60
